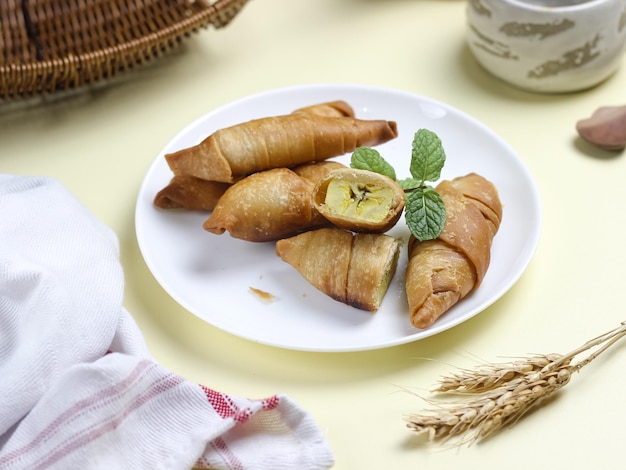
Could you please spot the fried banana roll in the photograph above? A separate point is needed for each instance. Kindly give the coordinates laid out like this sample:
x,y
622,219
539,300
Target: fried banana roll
x,y
265,206
443,271
354,269
280,141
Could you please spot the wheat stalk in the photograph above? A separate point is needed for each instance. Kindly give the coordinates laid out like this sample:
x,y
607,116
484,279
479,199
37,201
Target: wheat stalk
x,y
501,393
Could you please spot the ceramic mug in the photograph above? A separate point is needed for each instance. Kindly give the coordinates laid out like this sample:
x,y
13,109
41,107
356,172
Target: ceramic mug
x,y
549,46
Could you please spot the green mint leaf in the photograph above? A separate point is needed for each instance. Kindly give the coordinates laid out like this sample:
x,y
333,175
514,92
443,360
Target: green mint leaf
x,y
365,158
410,183
427,157
425,213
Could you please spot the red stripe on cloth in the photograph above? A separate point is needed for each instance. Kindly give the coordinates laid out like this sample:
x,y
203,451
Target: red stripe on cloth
x,y
88,405
271,402
222,449
162,385
226,408
221,403
75,410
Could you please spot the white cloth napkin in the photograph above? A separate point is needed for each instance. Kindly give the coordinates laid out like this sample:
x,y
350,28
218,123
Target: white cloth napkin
x,y
78,387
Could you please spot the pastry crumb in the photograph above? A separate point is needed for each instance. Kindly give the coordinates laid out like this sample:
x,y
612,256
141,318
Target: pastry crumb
x,y
261,294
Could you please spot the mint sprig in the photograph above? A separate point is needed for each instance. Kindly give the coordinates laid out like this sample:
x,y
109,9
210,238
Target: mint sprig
x,y
365,158
425,212
427,156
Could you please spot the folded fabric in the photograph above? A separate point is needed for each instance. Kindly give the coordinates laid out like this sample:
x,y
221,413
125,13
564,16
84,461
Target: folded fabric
x,y
79,387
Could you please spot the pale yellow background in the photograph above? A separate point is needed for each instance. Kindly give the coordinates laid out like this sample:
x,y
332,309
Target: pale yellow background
x,y
100,144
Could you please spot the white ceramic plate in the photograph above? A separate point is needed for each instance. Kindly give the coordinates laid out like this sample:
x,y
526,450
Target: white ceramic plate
x,y
211,275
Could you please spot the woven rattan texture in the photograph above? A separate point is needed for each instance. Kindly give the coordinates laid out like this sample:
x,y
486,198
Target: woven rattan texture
x,y
52,45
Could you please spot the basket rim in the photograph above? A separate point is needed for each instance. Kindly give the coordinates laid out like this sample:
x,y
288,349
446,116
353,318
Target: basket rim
x,y
36,76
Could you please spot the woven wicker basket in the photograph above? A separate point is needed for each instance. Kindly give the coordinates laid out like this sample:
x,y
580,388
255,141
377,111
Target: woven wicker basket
x,y
54,45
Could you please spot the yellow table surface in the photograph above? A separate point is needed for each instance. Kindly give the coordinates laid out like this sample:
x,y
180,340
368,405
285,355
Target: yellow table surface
x,y
100,143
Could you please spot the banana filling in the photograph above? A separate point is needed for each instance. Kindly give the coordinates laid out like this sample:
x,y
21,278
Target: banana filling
x,y
356,200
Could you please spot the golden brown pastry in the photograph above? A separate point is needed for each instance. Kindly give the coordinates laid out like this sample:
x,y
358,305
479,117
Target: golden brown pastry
x,y
273,142
354,269
337,108
265,206
189,192
441,272
317,170
359,200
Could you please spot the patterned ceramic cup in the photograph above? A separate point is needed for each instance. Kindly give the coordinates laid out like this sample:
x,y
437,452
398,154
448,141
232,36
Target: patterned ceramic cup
x,y
548,46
